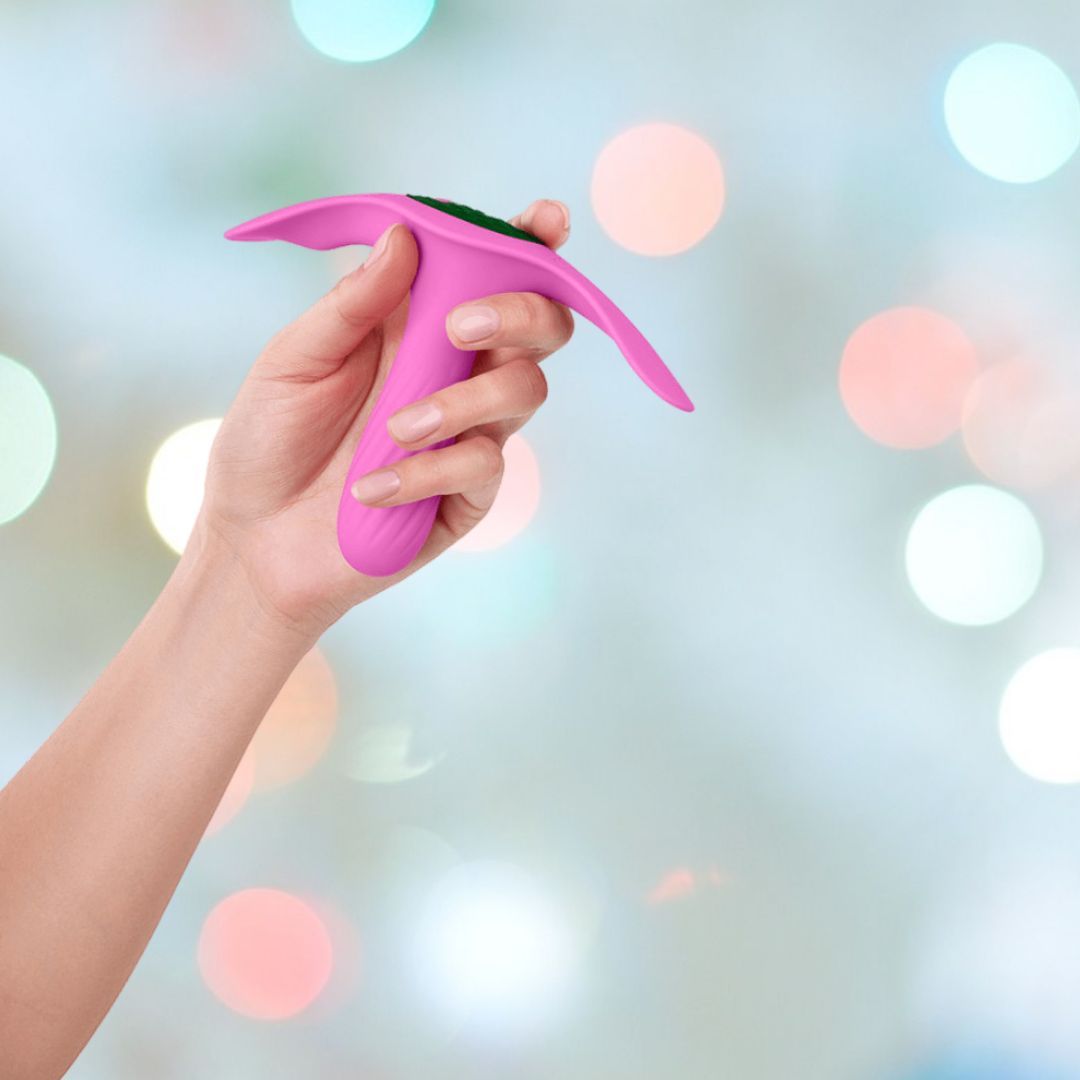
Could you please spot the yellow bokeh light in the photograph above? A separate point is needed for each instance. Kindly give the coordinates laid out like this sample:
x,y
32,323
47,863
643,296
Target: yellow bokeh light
x,y
177,478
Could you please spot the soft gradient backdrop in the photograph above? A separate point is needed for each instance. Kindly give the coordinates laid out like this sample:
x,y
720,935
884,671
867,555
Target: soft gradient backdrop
x,y
706,763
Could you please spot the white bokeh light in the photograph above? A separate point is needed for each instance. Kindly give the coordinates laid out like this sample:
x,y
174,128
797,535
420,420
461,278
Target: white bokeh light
x,y
1039,720
27,438
974,555
174,486
494,951
359,31
383,753
1012,113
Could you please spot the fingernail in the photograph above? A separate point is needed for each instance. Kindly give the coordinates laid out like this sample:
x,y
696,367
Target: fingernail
x,y
415,422
528,219
380,246
474,323
376,486
565,211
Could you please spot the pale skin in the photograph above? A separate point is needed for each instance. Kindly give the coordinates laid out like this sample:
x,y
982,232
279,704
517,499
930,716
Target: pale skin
x,y
99,825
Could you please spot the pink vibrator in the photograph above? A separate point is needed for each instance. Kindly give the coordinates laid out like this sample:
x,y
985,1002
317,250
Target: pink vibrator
x,y
464,255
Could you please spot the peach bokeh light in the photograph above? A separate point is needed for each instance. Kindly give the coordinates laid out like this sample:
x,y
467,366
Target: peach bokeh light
x,y
299,725
658,189
682,882
265,953
516,503
904,376
674,885
1020,427
236,794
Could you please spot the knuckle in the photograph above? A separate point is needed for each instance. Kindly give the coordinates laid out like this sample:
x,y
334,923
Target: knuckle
x,y
343,301
523,310
527,383
487,456
564,322
281,343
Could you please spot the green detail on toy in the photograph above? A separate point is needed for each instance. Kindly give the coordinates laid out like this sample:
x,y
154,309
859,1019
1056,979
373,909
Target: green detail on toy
x,y
477,217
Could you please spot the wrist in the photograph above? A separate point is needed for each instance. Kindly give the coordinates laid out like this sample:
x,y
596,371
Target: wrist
x,y
214,570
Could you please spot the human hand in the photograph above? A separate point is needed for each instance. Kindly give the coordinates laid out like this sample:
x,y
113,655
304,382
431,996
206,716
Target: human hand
x,y
284,448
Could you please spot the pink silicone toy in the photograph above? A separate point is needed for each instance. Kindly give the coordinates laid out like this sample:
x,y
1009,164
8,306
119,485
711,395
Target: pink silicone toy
x,y
459,261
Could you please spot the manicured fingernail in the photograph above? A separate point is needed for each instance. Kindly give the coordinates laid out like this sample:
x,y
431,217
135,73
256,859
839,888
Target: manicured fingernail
x,y
474,323
528,219
380,246
376,486
565,211
415,422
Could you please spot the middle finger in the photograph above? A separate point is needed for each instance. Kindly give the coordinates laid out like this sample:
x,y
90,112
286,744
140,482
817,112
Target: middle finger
x,y
511,324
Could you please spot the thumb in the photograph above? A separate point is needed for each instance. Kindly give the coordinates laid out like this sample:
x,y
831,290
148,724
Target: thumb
x,y
320,341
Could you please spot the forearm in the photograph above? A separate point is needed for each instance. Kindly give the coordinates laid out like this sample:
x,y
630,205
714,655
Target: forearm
x,y
97,828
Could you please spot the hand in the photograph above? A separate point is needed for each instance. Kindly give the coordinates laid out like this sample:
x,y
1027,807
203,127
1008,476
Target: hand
x,y
283,450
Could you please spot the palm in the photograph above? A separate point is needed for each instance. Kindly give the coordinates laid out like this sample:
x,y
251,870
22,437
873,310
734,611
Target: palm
x,y
280,460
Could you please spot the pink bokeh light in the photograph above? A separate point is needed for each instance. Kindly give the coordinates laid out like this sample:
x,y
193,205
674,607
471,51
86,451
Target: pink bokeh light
x,y
514,506
904,376
1019,425
265,954
658,189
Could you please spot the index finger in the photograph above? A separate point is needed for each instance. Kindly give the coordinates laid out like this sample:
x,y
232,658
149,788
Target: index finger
x,y
547,219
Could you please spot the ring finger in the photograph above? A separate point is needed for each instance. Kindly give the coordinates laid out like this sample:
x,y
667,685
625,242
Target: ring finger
x,y
474,464
511,392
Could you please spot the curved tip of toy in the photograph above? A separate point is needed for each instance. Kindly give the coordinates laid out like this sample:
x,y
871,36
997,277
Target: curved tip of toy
x,y
242,232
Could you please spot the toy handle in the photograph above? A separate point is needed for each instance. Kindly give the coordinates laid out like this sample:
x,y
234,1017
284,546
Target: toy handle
x,y
381,540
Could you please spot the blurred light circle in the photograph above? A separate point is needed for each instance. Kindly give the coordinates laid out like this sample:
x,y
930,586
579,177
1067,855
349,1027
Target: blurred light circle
x,y
1020,425
1012,113
298,726
493,949
27,438
361,30
383,754
235,795
516,503
1039,719
265,953
177,479
658,189
974,555
904,375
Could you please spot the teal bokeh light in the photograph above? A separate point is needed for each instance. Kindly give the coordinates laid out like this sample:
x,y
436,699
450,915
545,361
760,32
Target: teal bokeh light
x,y
27,438
361,30
1012,113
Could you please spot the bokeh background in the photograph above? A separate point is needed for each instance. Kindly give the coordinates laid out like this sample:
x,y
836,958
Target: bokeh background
x,y
740,744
